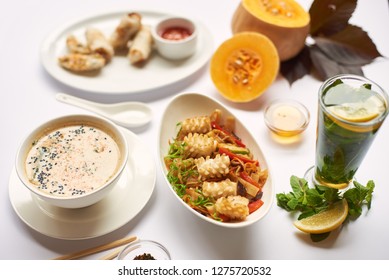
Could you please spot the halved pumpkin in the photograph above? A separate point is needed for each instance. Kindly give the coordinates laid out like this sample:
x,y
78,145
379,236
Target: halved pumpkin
x,y
284,22
244,66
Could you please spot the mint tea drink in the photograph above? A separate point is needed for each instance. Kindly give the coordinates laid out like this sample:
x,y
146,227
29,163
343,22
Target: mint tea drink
x,y
351,111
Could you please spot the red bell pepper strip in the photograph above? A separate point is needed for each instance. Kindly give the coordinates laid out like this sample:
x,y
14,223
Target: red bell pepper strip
x,y
231,155
255,205
235,139
224,218
247,178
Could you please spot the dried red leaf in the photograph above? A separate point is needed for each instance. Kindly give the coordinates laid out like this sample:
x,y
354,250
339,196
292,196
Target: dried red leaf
x,y
324,67
330,16
297,67
353,43
338,47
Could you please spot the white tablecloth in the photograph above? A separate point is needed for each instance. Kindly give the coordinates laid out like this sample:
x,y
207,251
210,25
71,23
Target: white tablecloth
x,y
27,93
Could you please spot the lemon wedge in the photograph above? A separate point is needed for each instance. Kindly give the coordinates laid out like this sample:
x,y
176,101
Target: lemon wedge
x,y
359,111
325,221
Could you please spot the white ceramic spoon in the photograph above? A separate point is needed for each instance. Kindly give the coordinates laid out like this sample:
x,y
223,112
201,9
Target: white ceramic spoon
x,y
127,114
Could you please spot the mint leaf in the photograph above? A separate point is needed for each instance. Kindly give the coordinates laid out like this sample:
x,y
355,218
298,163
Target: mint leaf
x,y
307,200
293,203
313,197
312,200
299,186
281,200
331,195
358,196
319,237
306,213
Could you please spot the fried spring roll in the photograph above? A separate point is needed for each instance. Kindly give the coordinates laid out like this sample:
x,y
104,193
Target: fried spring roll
x,y
98,43
77,62
141,46
74,46
129,25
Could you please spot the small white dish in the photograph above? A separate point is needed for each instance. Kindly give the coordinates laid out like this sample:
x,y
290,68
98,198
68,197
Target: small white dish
x,y
144,250
120,206
188,105
119,77
286,117
175,37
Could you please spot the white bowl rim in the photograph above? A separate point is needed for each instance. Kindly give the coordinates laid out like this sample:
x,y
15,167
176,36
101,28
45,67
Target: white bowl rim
x,y
292,102
157,36
41,126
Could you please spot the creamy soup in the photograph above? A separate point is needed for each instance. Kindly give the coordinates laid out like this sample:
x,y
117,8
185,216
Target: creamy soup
x,y
72,160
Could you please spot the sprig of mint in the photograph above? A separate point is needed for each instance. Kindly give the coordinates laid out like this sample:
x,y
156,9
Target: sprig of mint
x,y
337,47
311,200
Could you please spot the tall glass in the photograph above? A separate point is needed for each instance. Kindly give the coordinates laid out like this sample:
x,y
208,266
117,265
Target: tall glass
x,y
351,110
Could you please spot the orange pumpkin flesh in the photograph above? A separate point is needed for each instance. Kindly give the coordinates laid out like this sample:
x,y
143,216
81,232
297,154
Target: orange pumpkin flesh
x,y
284,22
244,66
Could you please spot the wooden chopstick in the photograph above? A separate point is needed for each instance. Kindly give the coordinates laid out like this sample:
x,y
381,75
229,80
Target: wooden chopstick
x,y
97,249
112,255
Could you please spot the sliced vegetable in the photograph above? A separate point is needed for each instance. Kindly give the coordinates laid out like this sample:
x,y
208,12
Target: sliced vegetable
x,y
224,218
232,155
255,205
235,149
250,188
236,140
248,178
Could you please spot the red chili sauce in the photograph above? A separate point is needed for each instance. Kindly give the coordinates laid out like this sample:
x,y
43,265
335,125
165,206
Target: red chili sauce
x,y
175,33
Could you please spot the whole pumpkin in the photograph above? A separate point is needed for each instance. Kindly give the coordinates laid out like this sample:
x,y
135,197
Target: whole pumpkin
x,y
284,22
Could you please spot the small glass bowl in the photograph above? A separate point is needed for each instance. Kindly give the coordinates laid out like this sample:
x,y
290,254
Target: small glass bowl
x,y
286,117
175,49
144,250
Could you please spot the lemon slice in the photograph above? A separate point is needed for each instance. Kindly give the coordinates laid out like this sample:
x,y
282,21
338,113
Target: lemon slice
x,y
325,221
359,111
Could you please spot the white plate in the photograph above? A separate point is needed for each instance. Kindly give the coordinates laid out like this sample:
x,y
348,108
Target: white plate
x,y
123,203
189,105
119,77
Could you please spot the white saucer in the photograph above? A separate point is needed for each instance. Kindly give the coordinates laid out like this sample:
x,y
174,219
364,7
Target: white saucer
x,y
123,203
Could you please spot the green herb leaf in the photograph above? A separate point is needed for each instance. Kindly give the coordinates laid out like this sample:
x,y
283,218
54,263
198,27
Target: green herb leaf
x,y
306,213
298,186
358,196
319,237
312,200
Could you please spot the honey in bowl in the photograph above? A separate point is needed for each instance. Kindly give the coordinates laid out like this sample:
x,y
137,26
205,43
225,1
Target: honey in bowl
x,y
286,118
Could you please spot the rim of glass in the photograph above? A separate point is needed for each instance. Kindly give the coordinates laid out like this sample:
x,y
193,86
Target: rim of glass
x,y
128,248
296,104
375,87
